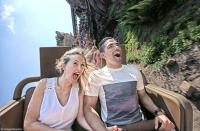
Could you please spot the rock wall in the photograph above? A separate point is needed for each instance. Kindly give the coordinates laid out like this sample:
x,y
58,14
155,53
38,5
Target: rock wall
x,y
101,16
181,74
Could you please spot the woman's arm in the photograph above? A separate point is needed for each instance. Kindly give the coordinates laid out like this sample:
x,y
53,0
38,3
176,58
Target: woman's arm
x,y
80,118
31,122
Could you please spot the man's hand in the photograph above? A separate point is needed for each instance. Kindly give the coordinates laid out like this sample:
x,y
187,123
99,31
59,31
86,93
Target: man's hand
x,y
114,128
166,124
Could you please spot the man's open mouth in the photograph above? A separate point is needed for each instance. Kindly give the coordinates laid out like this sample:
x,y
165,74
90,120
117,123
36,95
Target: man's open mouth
x,y
117,54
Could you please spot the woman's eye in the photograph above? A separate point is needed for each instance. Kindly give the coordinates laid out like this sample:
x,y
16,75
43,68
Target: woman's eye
x,y
75,63
82,65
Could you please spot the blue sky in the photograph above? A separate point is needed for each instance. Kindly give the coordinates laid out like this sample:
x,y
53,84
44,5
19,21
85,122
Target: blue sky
x,y
26,25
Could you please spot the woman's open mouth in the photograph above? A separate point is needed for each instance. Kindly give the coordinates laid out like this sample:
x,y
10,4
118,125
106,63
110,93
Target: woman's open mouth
x,y
76,76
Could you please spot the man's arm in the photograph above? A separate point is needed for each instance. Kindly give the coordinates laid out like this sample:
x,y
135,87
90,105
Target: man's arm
x,y
91,115
146,101
161,118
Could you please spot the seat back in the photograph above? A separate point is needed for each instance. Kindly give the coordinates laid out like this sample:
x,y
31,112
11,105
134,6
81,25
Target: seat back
x,y
48,56
177,108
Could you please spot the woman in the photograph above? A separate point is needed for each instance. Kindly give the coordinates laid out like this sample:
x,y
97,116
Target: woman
x,y
93,57
57,102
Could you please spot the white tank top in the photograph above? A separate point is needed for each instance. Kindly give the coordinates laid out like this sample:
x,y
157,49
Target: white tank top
x,y
52,113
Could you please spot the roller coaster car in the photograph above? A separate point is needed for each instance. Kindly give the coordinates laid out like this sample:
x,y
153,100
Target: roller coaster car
x,y
176,107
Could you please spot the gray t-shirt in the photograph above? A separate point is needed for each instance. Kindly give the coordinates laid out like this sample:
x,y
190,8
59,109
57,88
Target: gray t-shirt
x,y
117,90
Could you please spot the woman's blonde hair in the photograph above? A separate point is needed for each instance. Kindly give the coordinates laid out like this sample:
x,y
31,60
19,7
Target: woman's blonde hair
x,y
64,59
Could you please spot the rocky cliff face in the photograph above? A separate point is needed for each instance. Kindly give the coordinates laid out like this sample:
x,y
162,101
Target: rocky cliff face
x,y
181,74
101,16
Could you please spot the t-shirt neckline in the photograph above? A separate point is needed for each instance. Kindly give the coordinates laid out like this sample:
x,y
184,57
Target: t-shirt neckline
x,y
115,69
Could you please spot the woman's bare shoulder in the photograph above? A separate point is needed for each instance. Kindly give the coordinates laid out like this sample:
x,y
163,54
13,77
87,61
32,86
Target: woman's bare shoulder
x,y
41,85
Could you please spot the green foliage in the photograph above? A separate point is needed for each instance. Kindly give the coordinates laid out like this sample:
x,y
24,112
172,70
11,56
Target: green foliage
x,y
167,27
181,42
144,11
186,37
194,31
123,32
137,20
152,50
131,46
183,19
161,48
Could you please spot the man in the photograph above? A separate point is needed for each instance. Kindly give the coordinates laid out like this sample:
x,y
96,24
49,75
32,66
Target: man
x,y
118,88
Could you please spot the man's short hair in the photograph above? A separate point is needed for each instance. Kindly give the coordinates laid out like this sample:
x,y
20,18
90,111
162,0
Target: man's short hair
x,y
101,43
